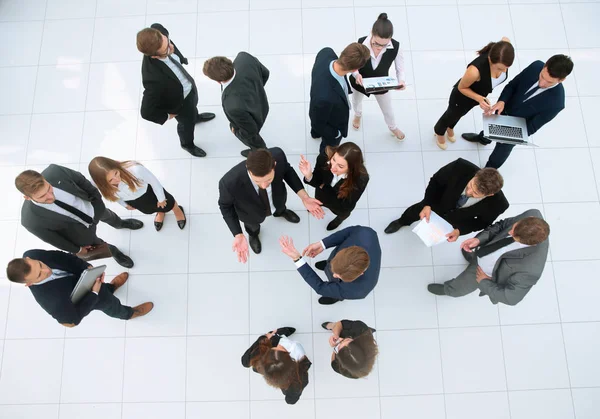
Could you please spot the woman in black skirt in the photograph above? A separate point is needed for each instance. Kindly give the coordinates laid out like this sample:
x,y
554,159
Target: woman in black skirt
x,y
135,187
339,179
484,73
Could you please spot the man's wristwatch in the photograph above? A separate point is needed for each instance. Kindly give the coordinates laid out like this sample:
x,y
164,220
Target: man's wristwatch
x,y
297,259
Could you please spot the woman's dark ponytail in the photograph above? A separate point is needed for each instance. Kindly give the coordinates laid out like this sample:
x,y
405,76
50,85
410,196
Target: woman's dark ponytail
x,y
499,52
382,27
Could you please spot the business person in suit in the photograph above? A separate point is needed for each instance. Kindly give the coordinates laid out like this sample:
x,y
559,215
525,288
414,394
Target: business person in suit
x,y
536,94
281,361
505,260
352,269
52,275
243,96
483,74
329,109
63,209
468,197
255,189
339,179
169,90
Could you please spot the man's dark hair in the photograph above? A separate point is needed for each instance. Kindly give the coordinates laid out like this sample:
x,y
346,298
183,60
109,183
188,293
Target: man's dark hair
x,y
488,181
17,270
531,231
559,66
260,162
218,69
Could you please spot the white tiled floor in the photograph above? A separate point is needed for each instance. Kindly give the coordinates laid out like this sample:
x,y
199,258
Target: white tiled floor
x,y
70,78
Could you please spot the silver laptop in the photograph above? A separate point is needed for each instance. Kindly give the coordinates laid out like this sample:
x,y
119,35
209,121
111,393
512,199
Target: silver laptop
x,y
506,129
86,282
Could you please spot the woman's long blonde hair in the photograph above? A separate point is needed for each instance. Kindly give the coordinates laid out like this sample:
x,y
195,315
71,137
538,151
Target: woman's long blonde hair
x,y
99,168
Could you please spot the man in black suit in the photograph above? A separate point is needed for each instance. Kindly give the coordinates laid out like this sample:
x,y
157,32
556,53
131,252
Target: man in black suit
x,y
536,94
329,109
169,90
63,209
352,269
467,197
253,190
243,96
51,277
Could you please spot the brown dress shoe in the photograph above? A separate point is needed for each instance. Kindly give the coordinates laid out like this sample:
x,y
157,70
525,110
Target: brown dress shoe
x,y
142,310
119,280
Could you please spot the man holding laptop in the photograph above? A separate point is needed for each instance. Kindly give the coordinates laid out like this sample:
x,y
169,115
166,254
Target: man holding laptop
x,y
531,100
57,283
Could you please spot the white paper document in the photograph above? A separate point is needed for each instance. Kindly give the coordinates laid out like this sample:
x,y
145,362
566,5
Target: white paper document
x,y
375,84
433,232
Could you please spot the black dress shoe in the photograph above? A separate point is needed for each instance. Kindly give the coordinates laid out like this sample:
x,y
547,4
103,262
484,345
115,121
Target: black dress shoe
x,y
245,153
475,138
290,216
132,224
320,265
437,289
120,257
327,301
335,223
324,325
204,117
286,331
158,225
195,151
255,244
181,223
394,226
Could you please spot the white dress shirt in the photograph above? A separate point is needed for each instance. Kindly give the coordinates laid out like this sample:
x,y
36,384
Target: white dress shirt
x,y
56,274
294,348
488,262
146,177
471,200
269,193
398,61
538,91
70,199
185,83
336,179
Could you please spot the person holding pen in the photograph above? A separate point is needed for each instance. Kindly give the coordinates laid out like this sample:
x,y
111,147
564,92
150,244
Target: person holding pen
x,y
483,74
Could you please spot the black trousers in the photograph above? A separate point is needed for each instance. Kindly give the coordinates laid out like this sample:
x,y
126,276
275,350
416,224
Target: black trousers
x,y
253,143
411,214
88,237
254,229
326,141
187,118
451,117
111,305
500,153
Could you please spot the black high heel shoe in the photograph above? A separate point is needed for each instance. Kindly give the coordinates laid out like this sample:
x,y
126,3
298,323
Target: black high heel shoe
x,y
158,224
181,223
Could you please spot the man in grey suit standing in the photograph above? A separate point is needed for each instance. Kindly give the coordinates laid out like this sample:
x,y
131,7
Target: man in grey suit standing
x,y
508,260
63,209
243,96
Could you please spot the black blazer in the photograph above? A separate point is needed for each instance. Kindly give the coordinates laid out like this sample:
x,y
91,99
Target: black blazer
x,y
292,393
244,100
537,111
327,194
444,190
364,237
239,201
59,230
55,296
328,111
163,92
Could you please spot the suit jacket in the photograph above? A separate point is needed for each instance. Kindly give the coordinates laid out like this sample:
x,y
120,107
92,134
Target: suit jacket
x,y
516,271
329,111
244,100
444,190
163,92
59,230
55,296
239,201
292,394
364,237
537,111
327,194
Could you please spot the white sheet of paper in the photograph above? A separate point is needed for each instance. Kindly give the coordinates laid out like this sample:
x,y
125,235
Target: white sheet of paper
x,y
433,232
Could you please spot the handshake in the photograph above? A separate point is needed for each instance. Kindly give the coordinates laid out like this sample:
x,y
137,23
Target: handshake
x,y
287,247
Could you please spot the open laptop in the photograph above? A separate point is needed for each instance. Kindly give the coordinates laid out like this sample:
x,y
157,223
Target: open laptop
x,y
86,282
506,129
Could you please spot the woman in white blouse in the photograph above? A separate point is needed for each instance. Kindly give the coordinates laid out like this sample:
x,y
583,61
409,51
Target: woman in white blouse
x,y
385,52
134,187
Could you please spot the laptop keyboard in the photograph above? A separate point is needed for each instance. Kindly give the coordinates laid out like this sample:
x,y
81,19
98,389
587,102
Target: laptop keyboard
x,y
505,131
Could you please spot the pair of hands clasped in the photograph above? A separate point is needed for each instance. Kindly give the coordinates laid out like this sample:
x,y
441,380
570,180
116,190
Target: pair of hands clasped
x,y
426,213
468,246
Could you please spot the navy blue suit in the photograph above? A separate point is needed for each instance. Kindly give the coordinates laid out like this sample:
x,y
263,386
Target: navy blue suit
x,y
537,111
364,237
329,110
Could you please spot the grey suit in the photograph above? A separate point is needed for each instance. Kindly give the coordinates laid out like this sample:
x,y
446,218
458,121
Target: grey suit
x,y
59,230
515,271
245,101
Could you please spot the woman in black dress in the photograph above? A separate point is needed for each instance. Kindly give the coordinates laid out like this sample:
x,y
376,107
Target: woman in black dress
x,y
339,179
484,73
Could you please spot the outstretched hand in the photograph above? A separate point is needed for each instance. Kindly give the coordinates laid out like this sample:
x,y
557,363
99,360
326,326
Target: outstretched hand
x,y
312,250
240,246
287,247
313,206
